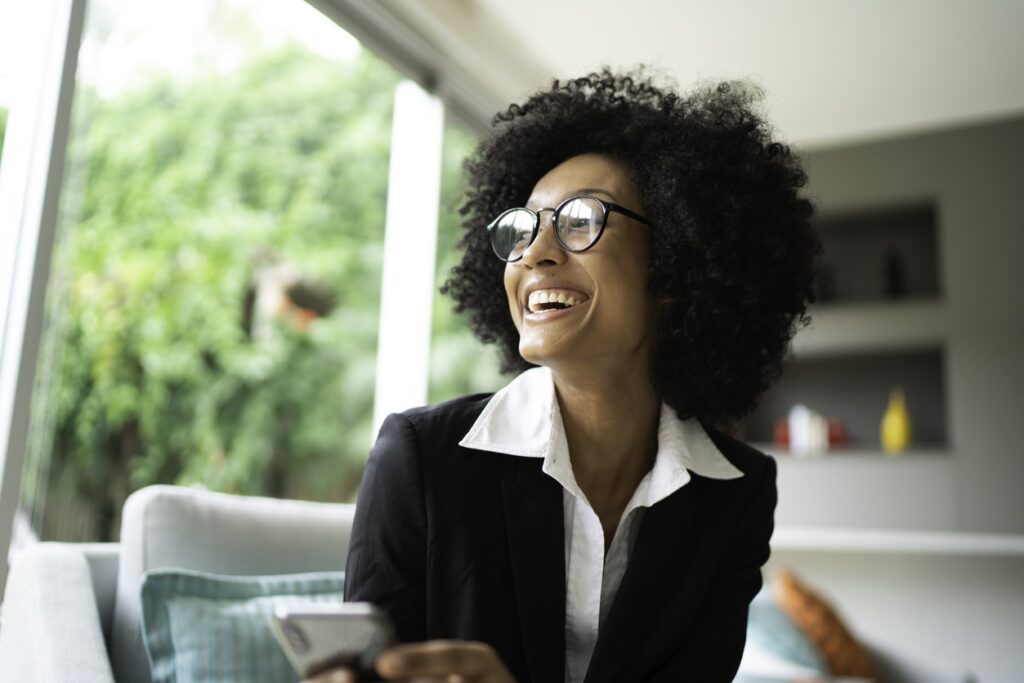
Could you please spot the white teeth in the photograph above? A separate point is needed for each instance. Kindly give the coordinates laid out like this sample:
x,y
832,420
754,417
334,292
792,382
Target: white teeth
x,y
547,296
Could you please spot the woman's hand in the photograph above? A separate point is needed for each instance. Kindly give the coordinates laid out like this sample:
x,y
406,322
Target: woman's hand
x,y
339,675
443,661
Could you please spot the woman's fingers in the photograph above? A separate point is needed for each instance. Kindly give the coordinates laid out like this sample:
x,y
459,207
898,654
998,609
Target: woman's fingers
x,y
453,661
333,676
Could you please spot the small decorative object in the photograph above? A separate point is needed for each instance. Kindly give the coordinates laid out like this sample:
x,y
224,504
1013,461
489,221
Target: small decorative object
x,y
836,432
808,431
825,282
896,428
781,435
894,273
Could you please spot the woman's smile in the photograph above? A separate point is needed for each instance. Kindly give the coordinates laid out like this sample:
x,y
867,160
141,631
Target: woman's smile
x,y
547,299
544,300
543,312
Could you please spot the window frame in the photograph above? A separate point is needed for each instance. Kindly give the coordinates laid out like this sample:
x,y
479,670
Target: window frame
x,y
31,180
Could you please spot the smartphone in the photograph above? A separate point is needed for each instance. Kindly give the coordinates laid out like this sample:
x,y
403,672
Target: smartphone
x,y
319,636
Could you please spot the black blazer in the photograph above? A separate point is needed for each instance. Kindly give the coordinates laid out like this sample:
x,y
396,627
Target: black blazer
x,y
466,544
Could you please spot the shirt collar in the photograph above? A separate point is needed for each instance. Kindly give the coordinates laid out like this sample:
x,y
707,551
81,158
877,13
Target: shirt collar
x,y
523,419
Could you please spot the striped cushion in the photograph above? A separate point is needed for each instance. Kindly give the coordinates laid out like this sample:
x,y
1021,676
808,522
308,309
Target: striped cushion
x,y
770,630
208,628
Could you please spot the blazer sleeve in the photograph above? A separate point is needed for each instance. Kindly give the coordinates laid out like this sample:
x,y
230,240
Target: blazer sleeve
x,y
387,561
713,648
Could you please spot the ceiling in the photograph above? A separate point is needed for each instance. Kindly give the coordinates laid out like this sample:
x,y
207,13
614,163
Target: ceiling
x,y
834,72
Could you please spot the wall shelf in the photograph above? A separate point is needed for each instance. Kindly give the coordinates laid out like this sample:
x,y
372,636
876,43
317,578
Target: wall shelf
x,y
858,327
918,451
812,539
918,288
879,253
855,387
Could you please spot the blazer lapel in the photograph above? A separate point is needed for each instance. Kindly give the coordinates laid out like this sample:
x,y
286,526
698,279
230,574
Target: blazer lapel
x,y
665,536
536,541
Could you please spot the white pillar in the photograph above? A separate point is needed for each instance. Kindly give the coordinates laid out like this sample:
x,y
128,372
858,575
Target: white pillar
x,y
30,184
410,246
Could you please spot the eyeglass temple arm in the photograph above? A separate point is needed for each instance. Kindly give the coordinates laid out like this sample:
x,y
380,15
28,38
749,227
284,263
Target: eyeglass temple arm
x,y
632,214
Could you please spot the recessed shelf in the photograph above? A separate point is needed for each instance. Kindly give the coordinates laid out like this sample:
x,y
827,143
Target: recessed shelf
x,y
854,451
855,388
816,539
879,254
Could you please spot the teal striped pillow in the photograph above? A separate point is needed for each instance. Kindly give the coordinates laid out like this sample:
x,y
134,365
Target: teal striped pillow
x,y
209,628
772,630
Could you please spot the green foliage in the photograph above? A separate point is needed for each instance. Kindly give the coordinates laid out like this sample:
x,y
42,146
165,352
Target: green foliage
x,y
187,188
3,128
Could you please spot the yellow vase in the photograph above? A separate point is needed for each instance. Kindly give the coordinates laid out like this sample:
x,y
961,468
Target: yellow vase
x,y
896,428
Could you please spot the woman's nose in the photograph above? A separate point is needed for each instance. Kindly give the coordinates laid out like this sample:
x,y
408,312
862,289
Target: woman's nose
x,y
545,250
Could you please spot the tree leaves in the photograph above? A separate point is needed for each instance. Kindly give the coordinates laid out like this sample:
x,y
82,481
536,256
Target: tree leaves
x,y
188,189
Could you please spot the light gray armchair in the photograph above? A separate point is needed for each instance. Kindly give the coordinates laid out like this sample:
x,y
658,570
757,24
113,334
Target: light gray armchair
x,y
71,611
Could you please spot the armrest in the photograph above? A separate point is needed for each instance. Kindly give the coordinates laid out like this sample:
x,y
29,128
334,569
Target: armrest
x,y
50,629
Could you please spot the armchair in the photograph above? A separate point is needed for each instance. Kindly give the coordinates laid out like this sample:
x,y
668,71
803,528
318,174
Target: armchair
x,y
71,611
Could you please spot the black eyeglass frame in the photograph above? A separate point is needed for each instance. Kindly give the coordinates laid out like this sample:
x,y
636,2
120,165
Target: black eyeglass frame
x,y
608,207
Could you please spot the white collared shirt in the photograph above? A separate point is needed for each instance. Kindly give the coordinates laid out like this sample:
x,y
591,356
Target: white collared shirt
x,y
524,419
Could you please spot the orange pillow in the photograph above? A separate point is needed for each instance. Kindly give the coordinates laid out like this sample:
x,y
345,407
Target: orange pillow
x,y
841,651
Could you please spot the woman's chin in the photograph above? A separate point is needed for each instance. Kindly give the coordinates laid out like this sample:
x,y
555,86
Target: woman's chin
x,y
538,352
530,355
550,354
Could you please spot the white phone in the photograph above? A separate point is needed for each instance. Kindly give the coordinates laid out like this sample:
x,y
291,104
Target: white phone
x,y
318,636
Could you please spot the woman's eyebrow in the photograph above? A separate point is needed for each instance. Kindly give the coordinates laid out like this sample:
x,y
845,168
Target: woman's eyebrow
x,y
587,190
583,190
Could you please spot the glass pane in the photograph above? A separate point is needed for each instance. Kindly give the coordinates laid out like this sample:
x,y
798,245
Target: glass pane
x,y
3,129
11,55
213,314
459,364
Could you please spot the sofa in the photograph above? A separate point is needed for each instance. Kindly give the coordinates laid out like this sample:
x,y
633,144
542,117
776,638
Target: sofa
x,y
71,611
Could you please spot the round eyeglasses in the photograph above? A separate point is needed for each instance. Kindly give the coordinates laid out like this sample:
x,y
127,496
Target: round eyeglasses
x,y
579,223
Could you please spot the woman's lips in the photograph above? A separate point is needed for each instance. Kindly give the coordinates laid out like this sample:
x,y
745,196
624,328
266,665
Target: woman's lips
x,y
559,298
553,313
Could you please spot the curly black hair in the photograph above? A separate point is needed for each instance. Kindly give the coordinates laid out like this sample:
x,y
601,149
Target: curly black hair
x,y
732,246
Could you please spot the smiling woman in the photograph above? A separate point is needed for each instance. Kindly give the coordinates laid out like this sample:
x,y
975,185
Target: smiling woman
x,y
641,258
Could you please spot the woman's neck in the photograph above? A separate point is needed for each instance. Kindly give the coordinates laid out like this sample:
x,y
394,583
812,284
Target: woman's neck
x,y
611,425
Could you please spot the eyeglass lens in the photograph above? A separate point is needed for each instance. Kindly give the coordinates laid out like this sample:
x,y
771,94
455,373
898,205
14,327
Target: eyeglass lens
x,y
577,226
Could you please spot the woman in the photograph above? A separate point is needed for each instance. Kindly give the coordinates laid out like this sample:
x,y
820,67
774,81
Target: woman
x,y
650,255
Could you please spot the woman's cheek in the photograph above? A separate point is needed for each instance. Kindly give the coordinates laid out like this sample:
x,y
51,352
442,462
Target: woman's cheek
x,y
511,289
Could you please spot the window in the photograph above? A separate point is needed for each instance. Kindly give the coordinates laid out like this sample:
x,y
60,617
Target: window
x,y
213,305
213,292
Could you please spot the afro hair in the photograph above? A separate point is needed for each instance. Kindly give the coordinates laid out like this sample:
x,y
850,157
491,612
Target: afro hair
x,y
732,250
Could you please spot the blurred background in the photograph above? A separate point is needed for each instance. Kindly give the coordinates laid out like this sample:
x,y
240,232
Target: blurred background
x,y
235,292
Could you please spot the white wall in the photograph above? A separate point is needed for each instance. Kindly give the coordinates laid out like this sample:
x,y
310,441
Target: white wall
x,y
955,613
976,177
939,616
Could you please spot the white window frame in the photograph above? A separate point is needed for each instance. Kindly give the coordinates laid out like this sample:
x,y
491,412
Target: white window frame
x,y
410,248
31,179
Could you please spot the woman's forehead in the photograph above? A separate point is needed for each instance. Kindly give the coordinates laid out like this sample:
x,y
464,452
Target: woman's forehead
x,y
584,174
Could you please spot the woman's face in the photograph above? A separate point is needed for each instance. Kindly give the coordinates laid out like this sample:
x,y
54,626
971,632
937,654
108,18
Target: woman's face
x,y
611,323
